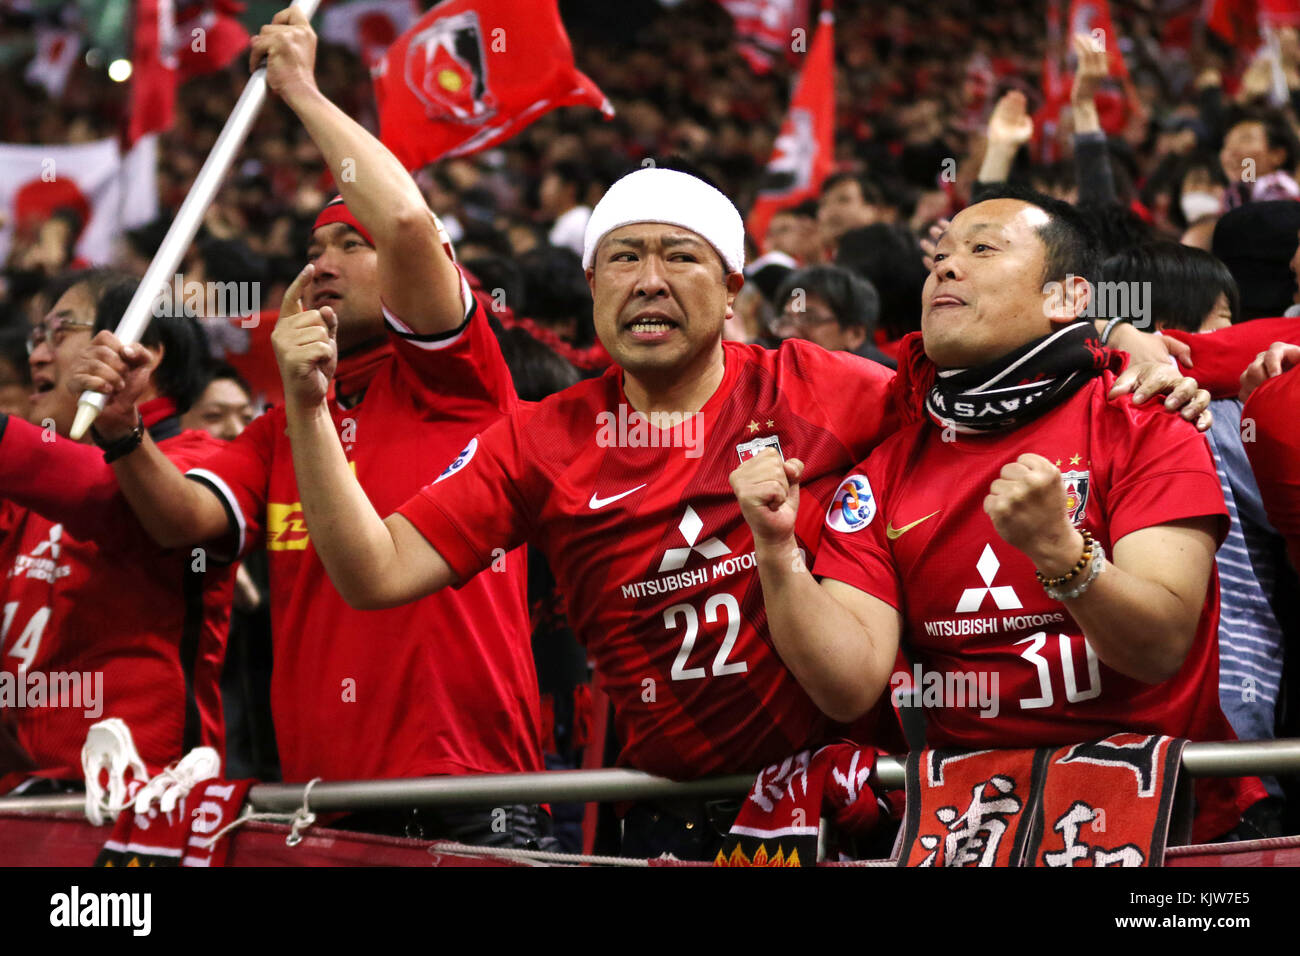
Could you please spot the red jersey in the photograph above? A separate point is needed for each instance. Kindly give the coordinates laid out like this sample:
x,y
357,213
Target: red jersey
x,y
650,549
919,539
105,622
1274,452
443,685
1219,357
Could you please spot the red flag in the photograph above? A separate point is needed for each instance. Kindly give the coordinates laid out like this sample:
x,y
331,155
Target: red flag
x,y
211,36
206,38
1236,21
472,73
367,27
765,29
805,147
153,73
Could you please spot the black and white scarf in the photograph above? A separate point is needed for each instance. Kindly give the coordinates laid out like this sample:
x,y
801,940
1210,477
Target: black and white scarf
x,y
1021,385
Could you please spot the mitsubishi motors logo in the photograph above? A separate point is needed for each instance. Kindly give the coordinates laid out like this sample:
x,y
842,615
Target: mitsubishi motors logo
x,y
973,598
51,544
690,527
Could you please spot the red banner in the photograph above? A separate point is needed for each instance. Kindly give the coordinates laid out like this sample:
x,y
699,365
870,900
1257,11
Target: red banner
x,y
805,147
471,74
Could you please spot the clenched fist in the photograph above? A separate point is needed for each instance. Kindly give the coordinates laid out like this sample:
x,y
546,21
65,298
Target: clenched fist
x,y
768,491
118,371
1026,504
288,45
305,346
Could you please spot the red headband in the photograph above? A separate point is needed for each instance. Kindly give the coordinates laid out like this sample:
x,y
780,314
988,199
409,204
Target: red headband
x,y
337,211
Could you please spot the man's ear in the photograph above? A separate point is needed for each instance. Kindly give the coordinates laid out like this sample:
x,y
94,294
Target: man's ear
x,y
735,281
156,353
591,280
1068,299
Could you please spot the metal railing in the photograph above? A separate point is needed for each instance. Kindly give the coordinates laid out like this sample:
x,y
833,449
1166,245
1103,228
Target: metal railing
x,y
1230,759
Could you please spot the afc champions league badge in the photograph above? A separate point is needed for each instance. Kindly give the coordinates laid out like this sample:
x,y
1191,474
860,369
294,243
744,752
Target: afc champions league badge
x,y
1076,495
853,506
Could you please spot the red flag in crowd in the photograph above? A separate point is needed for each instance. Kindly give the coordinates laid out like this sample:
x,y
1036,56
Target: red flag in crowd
x,y
165,50
56,54
805,147
153,73
765,29
472,73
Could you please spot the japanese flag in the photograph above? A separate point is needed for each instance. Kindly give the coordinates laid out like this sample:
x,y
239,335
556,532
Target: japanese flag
x,y
107,191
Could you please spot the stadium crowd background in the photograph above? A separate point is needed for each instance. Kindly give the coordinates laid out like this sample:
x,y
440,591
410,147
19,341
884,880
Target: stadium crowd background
x,y
915,87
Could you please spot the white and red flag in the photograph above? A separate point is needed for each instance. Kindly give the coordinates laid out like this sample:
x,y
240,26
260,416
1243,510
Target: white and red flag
x,y
107,191
765,29
367,27
804,152
56,54
472,73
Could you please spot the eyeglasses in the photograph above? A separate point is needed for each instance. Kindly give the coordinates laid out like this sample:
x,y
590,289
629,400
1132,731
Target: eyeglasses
x,y
53,331
803,319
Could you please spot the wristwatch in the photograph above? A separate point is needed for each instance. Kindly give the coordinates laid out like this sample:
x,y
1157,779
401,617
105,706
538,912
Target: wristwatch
x,y
113,450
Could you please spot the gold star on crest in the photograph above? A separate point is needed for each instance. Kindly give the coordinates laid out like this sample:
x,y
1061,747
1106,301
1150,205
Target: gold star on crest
x,y
753,427
1075,459
770,423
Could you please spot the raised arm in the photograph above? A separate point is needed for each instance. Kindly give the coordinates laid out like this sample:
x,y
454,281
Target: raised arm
x,y
417,279
374,563
840,643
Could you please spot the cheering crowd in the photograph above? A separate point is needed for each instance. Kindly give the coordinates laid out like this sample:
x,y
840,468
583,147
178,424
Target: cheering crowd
x,y
384,530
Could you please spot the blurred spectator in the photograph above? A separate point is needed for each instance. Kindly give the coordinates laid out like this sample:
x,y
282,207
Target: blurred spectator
x,y
562,199
1257,243
833,307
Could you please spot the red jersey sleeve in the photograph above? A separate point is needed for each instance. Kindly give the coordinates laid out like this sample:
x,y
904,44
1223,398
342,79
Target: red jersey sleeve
x,y
484,500
1160,467
239,473
1219,358
855,393
1274,455
854,547
457,371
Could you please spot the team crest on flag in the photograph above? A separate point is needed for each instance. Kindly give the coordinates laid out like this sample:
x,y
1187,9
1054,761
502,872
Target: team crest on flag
x,y
446,69
1076,495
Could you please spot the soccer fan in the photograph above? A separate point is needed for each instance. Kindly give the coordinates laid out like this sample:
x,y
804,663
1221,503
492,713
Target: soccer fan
x,y
1032,477
225,407
833,307
90,602
444,685
1259,152
622,483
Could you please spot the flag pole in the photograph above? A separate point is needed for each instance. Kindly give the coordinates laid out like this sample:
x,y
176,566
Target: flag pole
x,y
186,224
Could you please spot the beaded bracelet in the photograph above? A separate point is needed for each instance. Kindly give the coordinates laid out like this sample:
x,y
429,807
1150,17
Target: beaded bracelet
x,y
1083,562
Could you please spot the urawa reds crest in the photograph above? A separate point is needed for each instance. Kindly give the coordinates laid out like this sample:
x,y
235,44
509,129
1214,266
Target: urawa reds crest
x,y
446,69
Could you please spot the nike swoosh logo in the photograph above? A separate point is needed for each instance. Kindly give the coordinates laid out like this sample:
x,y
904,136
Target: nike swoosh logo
x,y
596,503
894,533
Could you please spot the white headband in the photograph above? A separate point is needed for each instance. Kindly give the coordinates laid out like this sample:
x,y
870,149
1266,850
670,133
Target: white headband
x,y
672,197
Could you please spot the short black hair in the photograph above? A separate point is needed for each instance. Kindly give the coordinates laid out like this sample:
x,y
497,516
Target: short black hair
x,y
853,300
1277,130
870,191
1071,242
889,257
1117,227
180,375
1185,282
214,370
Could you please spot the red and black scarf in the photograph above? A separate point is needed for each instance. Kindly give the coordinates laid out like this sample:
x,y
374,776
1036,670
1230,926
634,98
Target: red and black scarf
x,y
1020,386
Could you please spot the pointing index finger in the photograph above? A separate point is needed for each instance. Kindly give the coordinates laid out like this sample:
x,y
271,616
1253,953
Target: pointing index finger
x,y
292,301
